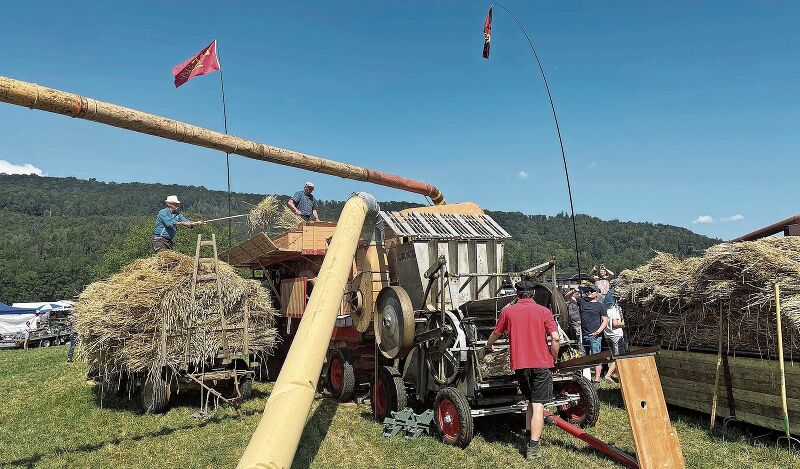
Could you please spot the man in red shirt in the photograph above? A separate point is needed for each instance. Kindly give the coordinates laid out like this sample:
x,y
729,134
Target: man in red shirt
x,y
528,324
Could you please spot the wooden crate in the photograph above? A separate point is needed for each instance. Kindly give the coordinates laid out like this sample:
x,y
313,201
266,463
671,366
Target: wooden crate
x,y
687,379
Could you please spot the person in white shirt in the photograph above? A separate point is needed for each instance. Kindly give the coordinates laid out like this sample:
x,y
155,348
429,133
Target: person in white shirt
x,y
615,337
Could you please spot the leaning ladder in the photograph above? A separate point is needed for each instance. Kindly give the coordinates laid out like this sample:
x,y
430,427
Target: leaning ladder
x,y
196,277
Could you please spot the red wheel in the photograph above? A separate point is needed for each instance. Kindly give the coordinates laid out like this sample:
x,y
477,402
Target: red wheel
x,y
450,422
340,376
388,393
379,396
453,417
586,411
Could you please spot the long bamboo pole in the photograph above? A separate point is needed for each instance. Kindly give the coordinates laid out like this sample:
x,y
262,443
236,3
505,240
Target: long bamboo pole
x,y
275,440
38,97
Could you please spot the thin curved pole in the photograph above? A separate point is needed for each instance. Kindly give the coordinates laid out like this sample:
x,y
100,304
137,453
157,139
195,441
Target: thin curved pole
x,y
558,131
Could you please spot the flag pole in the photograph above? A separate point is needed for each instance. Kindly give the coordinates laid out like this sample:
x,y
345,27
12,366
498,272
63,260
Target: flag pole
x,y
227,155
558,131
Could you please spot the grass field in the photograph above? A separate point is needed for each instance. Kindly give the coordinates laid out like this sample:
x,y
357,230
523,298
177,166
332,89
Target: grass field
x,y
52,418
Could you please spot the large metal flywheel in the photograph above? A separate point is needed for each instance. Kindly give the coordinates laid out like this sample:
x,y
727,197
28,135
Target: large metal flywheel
x,y
446,354
394,322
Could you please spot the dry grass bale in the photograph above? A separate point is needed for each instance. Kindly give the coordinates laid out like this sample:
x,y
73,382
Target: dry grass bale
x,y
676,303
263,214
120,319
287,220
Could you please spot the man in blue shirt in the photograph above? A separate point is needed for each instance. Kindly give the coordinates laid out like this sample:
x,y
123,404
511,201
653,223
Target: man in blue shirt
x,y
304,204
166,221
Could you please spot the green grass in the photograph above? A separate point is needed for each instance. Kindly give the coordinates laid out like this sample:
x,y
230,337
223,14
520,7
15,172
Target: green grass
x,y
52,418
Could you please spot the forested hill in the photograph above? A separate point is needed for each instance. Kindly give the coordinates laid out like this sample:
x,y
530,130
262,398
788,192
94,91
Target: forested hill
x,y
59,234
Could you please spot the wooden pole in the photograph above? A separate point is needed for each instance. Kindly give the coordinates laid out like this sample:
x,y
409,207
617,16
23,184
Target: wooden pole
x,y
716,376
784,406
33,96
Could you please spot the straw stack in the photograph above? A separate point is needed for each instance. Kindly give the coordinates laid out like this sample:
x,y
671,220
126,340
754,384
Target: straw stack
x,y
676,303
120,319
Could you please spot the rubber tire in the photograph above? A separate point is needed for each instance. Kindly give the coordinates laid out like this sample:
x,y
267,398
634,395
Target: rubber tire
x,y
348,380
44,343
459,404
588,400
394,393
155,395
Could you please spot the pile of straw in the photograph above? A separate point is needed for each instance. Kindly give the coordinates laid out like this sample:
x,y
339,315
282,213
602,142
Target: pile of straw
x,y
267,216
120,320
677,303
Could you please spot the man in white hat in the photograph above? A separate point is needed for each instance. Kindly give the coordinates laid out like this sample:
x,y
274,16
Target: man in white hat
x,y
304,204
166,221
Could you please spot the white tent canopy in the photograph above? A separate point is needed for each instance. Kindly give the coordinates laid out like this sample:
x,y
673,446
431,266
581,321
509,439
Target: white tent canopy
x,y
43,306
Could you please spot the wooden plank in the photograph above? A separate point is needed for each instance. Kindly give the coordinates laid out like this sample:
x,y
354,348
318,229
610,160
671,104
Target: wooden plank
x,y
657,444
738,394
763,370
703,376
293,297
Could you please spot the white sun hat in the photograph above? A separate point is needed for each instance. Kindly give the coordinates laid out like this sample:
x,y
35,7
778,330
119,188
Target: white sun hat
x,y
310,184
172,199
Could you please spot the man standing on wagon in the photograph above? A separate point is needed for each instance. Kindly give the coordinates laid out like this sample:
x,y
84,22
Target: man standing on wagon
x,y
166,221
528,324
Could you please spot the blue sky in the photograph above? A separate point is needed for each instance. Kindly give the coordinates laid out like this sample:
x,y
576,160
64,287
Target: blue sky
x,y
672,112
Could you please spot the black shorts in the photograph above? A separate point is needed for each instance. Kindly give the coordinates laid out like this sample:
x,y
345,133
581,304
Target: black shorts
x,y
536,384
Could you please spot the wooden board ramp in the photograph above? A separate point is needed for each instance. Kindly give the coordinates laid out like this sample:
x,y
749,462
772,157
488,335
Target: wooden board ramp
x,y
656,440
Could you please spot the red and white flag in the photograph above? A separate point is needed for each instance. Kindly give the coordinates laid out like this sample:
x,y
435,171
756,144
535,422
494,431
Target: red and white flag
x,y
206,61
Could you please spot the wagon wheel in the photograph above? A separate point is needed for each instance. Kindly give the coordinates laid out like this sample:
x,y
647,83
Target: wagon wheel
x,y
388,393
444,364
340,376
586,411
155,394
453,417
44,343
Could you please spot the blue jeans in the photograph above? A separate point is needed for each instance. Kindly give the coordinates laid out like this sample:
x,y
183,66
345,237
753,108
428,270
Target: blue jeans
x,y
591,345
73,339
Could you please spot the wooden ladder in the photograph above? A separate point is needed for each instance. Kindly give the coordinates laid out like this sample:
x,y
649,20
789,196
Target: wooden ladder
x,y
208,277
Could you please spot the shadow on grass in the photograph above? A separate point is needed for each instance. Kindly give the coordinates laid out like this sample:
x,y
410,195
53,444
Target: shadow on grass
x,y
35,459
314,433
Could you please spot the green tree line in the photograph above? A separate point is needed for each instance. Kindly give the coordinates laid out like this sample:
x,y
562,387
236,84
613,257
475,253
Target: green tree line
x,y
59,234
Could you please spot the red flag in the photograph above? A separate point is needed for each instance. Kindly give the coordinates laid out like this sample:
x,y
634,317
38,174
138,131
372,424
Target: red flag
x,y
206,61
487,34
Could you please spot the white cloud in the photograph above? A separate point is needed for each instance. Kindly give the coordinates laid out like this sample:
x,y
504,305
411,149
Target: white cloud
x,y
703,219
522,174
736,217
11,168
593,164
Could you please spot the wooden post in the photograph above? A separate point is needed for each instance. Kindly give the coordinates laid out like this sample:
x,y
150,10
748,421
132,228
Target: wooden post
x,y
716,375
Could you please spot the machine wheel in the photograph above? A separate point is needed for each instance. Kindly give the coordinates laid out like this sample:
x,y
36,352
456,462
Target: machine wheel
x,y
44,343
453,417
155,394
388,393
394,322
340,376
585,412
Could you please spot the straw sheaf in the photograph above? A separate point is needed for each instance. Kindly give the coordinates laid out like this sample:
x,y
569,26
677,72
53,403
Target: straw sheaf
x,y
120,319
677,302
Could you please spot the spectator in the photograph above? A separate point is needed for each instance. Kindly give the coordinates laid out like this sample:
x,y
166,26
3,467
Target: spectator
x,y
602,278
615,337
574,314
28,330
73,339
593,322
